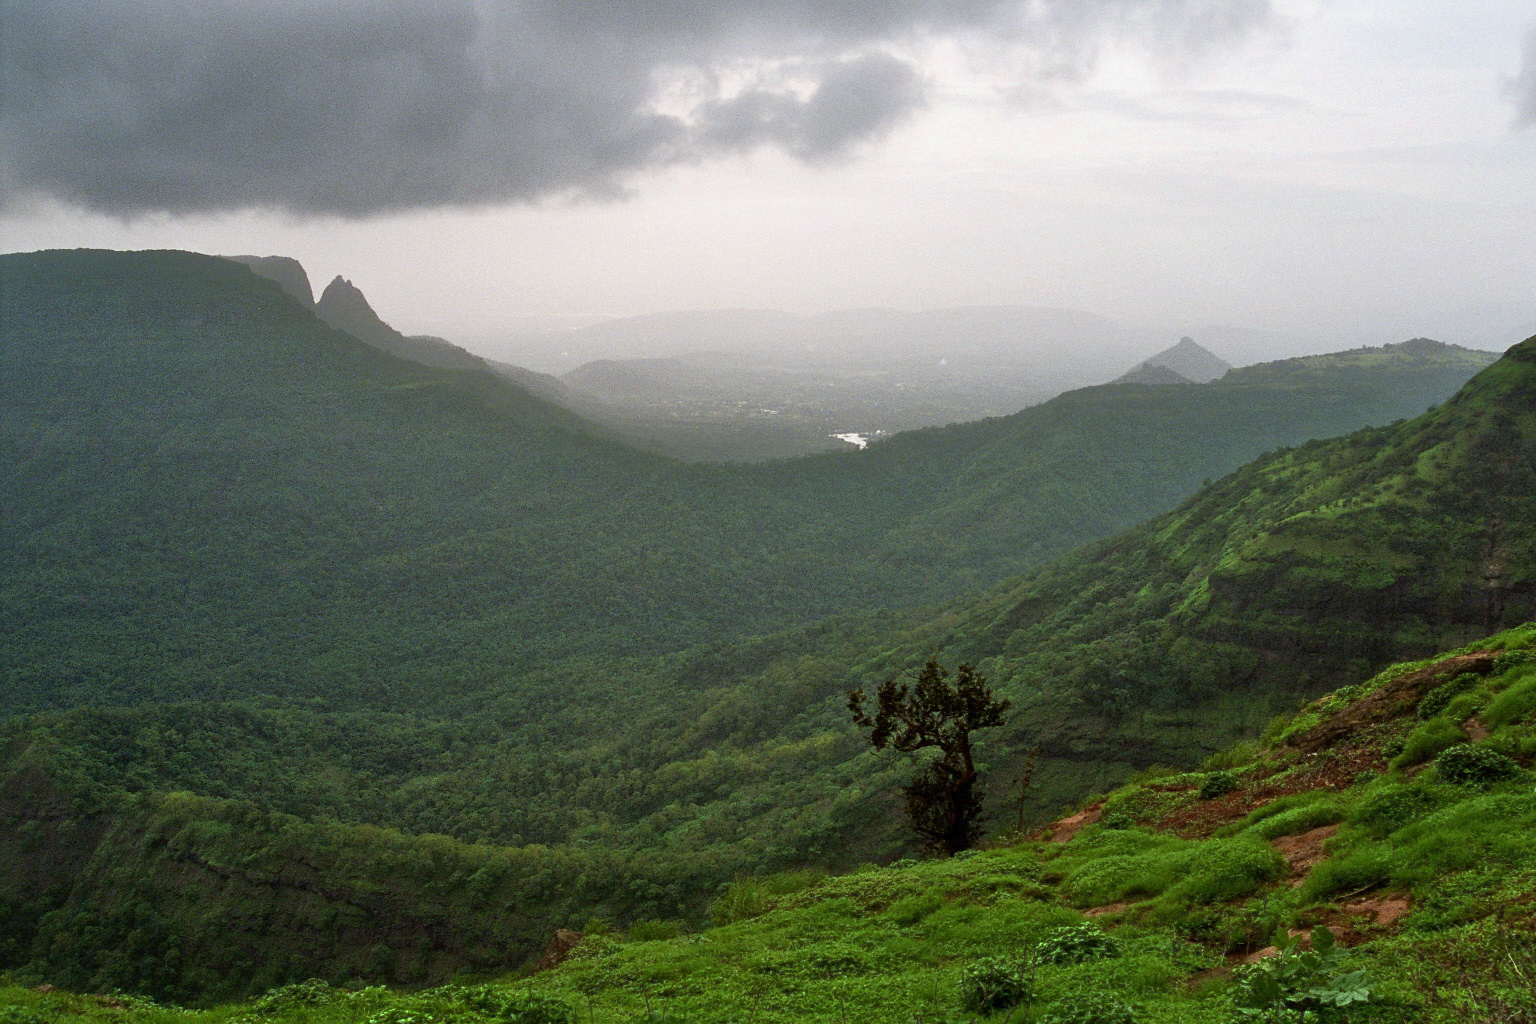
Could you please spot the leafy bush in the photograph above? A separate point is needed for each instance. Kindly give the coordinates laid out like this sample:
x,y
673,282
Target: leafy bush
x,y
1242,753
1076,944
1437,700
1510,659
1217,784
1308,982
1353,871
913,909
518,1007
1195,872
1224,869
1475,766
313,992
1428,740
993,984
1088,1008
1389,809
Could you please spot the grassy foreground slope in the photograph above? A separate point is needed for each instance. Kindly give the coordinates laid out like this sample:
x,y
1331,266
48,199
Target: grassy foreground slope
x,y
1397,814
212,493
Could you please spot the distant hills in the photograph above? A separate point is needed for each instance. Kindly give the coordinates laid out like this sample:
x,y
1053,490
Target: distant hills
x,y
204,465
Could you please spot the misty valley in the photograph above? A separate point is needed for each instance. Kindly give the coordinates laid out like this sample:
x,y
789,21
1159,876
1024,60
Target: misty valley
x,y
983,664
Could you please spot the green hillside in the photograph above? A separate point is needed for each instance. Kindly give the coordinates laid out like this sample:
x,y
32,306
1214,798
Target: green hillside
x,y
216,495
1373,859
1159,646
648,782
269,594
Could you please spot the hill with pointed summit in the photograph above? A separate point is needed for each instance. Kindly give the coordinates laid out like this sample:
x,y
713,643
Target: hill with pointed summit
x,y
1184,362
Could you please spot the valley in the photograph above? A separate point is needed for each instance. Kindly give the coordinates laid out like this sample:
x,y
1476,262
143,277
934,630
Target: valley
x,y
320,660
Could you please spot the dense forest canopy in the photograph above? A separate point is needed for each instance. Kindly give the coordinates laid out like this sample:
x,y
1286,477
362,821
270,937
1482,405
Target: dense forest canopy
x,y
215,494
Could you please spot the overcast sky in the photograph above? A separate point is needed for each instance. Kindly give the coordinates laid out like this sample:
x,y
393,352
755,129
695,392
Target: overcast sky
x,y
1341,172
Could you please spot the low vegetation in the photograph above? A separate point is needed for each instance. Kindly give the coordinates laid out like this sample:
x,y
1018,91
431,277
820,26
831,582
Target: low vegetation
x,y
1325,884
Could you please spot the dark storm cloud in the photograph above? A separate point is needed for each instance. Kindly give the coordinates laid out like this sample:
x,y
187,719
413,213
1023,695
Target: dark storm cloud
x,y
1523,88
358,107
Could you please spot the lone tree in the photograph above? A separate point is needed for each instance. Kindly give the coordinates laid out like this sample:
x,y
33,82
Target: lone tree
x,y
943,798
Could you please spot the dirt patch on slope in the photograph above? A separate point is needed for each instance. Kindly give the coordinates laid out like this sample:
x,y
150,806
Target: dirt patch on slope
x,y
1389,701
1066,828
1305,851
1384,912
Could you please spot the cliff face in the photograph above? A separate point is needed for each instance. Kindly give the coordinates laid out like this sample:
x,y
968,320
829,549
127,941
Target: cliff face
x,y
343,306
286,271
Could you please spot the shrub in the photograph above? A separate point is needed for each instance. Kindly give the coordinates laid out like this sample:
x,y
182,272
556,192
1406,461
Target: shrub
x,y
1437,700
1224,869
1239,754
518,1007
1510,659
651,930
1297,820
1217,784
993,984
1516,703
1353,871
313,992
1308,983
1428,740
1475,766
1389,809
1088,1008
742,900
913,909
1076,944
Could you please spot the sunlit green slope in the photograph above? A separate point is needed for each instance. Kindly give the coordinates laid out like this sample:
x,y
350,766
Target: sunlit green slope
x,y
1373,859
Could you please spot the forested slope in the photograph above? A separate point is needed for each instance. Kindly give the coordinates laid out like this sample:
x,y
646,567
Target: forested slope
x,y
664,776
292,575
216,494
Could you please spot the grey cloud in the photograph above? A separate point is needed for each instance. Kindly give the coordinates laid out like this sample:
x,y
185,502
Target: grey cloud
x,y
1523,87
855,99
361,107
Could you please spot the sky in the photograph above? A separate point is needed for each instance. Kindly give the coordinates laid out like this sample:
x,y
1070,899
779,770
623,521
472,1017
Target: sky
x,y
1334,172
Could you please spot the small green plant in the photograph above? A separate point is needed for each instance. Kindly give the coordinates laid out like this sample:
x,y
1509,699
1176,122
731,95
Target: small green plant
x,y
1437,700
23,1015
1076,944
994,984
1476,766
1088,1008
1217,784
1301,984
